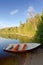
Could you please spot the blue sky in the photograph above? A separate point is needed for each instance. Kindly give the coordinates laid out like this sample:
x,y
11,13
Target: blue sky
x,y
14,11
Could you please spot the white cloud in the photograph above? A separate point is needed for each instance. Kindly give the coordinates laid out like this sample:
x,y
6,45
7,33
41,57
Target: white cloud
x,y
14,12
30,10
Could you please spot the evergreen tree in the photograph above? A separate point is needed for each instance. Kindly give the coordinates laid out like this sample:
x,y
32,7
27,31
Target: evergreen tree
x,y
39,33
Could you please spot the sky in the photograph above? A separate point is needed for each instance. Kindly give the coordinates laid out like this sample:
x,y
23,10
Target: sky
x,y
14,11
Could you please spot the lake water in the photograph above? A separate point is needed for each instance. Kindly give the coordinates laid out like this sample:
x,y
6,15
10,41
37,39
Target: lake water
x,y
3,43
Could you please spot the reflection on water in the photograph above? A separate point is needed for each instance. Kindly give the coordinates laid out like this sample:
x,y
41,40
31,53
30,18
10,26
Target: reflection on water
x,y
21,38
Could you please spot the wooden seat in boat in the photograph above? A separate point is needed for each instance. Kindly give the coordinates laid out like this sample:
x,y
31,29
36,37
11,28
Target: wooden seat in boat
x,y
24,47
16,47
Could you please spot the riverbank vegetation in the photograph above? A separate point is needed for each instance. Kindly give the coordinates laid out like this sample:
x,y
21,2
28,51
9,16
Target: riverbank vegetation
x,y
32,28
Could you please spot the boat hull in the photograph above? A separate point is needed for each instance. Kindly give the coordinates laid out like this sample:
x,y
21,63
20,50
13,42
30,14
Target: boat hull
x,y
30,47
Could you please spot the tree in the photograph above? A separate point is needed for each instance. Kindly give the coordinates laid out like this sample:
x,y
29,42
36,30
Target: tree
x,y
39,33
